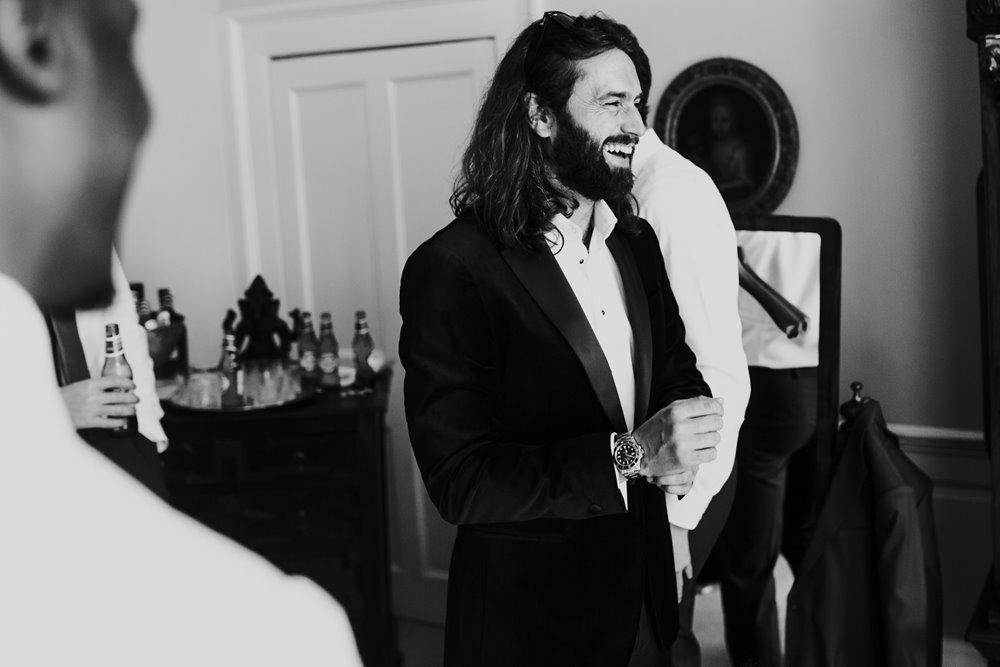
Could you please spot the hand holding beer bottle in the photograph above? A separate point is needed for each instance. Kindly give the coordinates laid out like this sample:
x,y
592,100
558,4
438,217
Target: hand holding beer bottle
x,y
107,402
117,366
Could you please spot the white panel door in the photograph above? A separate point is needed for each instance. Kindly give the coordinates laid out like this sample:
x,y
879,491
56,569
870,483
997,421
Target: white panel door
x,y
367,145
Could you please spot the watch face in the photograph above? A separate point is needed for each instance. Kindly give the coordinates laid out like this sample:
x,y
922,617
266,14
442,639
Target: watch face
x,y
626,454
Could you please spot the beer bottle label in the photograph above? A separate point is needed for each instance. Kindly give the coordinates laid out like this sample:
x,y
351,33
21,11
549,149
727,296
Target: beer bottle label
x,y
308,361
328,362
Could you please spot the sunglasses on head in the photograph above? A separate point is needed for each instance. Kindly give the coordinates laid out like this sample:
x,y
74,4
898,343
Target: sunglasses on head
x,y
559,19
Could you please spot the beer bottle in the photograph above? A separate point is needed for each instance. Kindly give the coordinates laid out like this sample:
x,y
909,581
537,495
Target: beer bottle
x,y
329,359
116,365
308,348
362,345
231,372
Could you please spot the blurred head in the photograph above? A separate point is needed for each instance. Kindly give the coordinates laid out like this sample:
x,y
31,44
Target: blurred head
x,y
72,113
557,123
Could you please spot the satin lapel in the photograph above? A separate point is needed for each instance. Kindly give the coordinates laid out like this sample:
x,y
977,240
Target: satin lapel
x,y
541,276
638,315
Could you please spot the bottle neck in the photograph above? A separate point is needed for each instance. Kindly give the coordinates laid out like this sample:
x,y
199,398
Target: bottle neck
x,y
113,347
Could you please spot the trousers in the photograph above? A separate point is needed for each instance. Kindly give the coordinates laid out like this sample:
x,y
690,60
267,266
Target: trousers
x,y
773,489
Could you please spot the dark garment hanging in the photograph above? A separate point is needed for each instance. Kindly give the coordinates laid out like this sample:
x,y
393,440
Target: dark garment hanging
x,y
868,590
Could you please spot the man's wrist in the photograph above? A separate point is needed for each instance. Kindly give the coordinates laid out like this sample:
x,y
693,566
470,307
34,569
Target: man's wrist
x,y
627,455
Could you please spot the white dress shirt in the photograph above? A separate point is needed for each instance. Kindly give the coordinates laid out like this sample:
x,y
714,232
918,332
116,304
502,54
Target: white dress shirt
x,y
594,277
698,242
788,262
96,570
90,324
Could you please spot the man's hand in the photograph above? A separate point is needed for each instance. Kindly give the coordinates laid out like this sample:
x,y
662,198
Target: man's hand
x,y
104,402
682,557
678,439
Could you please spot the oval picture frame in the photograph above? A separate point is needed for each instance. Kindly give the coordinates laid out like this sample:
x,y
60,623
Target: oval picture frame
x,y
735,122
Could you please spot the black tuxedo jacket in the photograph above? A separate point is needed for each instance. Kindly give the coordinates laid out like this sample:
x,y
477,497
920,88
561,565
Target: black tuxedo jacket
x,y
510,405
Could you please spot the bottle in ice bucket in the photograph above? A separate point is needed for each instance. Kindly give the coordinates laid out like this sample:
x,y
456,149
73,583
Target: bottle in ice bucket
x,y
231,372
308,349
166,315
116,365
362,345
329,360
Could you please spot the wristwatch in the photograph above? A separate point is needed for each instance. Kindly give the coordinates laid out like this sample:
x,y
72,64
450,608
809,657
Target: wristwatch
x,y
627,455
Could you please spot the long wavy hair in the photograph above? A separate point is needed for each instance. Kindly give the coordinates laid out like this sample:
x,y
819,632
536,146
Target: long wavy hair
x,y
503,176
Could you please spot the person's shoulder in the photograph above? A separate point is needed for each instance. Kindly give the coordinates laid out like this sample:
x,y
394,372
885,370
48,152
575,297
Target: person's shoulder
x,y
465,233
463,242
664,165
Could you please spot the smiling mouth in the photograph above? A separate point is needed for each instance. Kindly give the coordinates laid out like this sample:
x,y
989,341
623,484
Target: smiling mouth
x,y
619,150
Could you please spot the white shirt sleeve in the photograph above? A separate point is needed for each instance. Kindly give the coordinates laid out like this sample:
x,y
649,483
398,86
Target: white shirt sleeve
x,y
698,242
121,311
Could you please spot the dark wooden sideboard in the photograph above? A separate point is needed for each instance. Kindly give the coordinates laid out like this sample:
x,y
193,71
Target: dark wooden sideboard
x,y
304,486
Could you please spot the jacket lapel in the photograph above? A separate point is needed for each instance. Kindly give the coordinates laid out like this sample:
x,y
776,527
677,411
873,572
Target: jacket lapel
x,y
544,280
638,316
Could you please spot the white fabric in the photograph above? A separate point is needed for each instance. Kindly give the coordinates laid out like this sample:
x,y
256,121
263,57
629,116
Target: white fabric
x,y
594,277
698,242
96,570
90,324
788,262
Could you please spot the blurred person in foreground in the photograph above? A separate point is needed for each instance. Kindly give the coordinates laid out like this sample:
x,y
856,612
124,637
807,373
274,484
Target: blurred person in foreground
x,y
550,397
95,569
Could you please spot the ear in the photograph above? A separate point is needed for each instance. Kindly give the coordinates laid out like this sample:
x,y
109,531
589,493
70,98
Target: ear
x,y
540,117
33,49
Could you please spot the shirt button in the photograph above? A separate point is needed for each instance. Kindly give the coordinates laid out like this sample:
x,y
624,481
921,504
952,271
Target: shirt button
x,y
595,509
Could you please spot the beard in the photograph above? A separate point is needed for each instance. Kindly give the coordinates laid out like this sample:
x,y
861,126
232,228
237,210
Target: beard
x,y
579,164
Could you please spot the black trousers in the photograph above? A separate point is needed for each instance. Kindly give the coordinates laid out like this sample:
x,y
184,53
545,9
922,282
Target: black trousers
x,y
773,456
132,453
686,652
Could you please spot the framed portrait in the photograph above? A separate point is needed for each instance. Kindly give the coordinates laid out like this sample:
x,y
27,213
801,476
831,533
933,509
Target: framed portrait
x,y
734,121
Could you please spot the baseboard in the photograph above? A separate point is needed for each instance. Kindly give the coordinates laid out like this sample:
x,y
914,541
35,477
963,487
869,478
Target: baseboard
x,y
956,462
951,457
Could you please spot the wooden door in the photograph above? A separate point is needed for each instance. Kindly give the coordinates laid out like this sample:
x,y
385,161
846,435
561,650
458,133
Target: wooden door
x,y
367,144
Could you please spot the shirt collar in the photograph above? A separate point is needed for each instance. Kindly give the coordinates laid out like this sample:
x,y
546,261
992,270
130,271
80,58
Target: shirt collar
x,y
564,230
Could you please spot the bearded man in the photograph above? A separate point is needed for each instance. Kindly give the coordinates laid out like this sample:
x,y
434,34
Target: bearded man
x,y
550,397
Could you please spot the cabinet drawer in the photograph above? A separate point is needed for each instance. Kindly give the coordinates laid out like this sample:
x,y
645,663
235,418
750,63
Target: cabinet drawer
x,y
321,454
296,517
